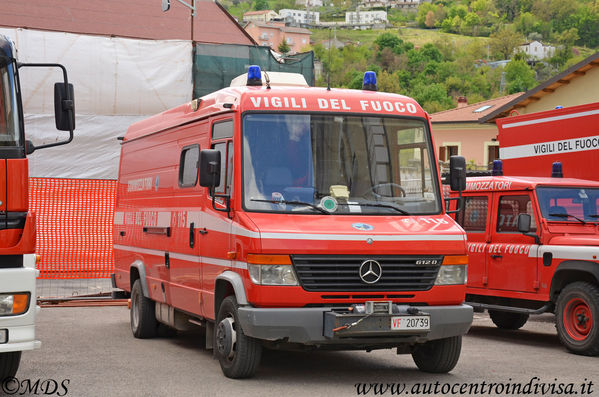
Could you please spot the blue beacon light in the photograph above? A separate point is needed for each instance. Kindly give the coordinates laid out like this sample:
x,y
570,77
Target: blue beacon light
x,y
254,75
497,168
556,170
369,82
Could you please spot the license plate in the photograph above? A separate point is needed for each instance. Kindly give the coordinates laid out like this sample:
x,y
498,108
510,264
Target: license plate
x,y
412,323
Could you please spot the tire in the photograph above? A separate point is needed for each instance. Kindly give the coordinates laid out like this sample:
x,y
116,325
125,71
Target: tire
x,y
244,355
9,363
143,316
438,356
507,320
577,318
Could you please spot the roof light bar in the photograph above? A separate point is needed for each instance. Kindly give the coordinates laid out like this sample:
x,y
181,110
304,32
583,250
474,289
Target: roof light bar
x,y
254,76
497,168
369,82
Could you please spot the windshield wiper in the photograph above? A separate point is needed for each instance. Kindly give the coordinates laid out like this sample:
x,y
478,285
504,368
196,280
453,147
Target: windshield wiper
x,y
396,208
293,202
568,216
593,216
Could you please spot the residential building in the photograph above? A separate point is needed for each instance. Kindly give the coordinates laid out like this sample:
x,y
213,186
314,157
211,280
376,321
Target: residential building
x,y
260,16
273,33
300,17
390,3
309,3
459,131
365,17
536,50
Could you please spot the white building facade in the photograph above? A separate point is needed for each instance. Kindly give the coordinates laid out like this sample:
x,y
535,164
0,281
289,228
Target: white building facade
x,y
365,17
536,50
300,17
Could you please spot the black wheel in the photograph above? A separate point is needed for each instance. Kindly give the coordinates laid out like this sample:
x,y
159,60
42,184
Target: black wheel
x,y
238,354
507,320
577,318
438,356
9,363
143,316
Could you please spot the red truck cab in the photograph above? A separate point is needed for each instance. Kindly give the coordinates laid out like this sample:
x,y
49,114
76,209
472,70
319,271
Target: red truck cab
x,y
281,215
533,247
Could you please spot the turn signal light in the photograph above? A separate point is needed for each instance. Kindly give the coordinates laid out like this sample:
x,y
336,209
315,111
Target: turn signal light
x,y
269,259
455,260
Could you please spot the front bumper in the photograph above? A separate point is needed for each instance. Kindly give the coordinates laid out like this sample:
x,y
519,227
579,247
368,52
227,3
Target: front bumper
x,y
313,326
20,328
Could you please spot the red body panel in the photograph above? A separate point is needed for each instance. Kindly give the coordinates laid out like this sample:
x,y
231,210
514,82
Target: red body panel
x,y
529,144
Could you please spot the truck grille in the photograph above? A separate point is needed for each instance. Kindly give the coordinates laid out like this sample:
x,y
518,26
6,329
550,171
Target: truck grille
x,y
342,273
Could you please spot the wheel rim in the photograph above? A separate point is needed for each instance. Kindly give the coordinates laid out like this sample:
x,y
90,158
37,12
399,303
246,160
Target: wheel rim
x,y
578,319
134,311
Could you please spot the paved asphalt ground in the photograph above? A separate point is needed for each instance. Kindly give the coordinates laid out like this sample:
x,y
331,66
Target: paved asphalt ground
x,y
93,351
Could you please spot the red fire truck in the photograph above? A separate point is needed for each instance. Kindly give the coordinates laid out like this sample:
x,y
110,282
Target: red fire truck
x,y
17,223
281,215
533,248
531,143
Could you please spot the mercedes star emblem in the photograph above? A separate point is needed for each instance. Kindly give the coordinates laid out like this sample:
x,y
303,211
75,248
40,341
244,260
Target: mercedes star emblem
x,y
370,271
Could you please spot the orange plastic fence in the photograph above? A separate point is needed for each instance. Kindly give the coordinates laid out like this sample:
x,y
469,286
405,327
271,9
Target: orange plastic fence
x,y
74,226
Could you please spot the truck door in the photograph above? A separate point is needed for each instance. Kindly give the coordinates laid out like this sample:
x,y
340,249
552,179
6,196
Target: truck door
x,y
215,235
475,221
509,265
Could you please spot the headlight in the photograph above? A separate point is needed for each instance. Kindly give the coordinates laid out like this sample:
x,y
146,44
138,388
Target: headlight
x,y
13,304
452,275
271,270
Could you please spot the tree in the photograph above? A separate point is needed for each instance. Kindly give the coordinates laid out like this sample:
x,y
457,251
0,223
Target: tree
x,y
260,5
504,42
283,47
430,19
519,77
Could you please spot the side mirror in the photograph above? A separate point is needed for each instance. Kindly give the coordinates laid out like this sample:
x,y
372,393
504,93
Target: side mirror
x,y
209,168
457,173
524,223
29,147
64,107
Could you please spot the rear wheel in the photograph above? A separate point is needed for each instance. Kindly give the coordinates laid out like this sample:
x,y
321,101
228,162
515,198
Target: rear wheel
x,y
143,316
438,356
577,318
507,320
9,363
238,354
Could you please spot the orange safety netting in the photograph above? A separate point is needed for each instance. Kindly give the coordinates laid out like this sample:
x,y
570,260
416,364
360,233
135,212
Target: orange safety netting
x,y
74,226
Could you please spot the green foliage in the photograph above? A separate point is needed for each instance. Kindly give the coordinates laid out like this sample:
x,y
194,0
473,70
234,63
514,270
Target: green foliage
x,y
519,76
283,47
260,5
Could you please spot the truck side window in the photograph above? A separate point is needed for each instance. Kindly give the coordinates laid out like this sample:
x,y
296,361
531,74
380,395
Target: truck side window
x,y
226,166
474,216
509,209
188,166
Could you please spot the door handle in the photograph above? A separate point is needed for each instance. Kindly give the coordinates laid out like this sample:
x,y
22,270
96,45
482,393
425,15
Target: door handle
x,y
203,231
192,235
495,256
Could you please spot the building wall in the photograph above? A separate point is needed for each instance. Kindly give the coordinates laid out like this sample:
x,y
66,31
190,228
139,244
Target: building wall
x,y
264,17
471,138
275,34
575,93
125,18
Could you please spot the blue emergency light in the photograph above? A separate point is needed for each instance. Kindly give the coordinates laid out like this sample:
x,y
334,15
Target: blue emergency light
x,y
559,107
254,75
369,82
556,170
497,168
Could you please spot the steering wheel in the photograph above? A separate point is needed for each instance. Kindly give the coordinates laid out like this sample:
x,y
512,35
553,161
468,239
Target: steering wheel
x,y
392,185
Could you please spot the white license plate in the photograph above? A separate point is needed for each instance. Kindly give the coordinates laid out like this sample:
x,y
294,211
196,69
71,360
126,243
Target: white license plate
x,y
415,323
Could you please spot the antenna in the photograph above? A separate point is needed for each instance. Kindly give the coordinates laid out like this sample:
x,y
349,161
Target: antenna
x,y
329,71
267,80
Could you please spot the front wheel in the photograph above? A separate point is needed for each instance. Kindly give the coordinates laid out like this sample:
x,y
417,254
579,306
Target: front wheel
x,y
143,316
9,363
577,318
438,356
238,354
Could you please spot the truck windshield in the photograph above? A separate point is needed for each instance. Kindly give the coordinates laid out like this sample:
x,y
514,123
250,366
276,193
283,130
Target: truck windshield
x,y
307,163
569,204
9,126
